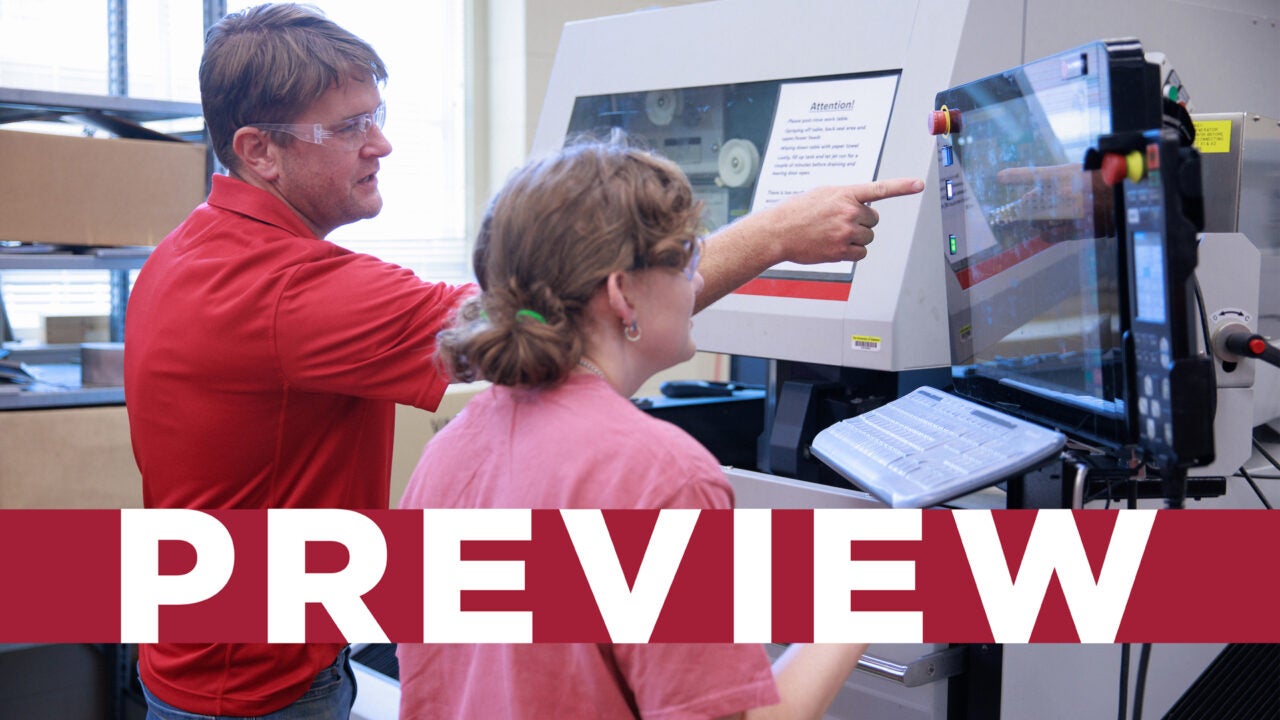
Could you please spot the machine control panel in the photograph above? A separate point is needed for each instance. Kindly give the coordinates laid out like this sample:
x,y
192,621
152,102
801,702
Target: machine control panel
x,y
1172,387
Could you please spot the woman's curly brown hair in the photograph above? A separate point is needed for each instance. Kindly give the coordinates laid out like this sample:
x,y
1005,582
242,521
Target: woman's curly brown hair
x,y
549,239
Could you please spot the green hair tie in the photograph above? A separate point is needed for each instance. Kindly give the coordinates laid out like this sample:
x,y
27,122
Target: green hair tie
x,y
531,314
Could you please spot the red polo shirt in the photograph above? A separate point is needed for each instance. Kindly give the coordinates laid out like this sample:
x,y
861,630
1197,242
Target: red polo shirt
x,y
262,370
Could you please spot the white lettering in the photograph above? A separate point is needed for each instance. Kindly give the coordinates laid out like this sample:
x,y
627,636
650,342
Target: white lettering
x,y
445,576
630,613
835,575
290,587
143,589
1055,546
752,576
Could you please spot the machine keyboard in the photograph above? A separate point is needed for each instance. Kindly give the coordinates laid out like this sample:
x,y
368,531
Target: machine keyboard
x,y
929,447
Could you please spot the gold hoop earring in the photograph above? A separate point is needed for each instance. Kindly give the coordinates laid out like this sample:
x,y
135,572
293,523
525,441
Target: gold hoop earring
x,y
631,332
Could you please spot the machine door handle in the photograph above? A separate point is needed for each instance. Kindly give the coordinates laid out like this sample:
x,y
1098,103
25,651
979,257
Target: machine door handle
x,y
921,671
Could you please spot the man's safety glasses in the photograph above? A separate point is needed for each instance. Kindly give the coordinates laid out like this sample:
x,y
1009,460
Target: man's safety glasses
x,y
346,135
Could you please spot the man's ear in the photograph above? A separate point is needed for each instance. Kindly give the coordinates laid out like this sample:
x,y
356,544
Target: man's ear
x,y
258,155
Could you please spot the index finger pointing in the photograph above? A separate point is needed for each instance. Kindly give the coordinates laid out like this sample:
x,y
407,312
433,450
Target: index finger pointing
x,y
881,189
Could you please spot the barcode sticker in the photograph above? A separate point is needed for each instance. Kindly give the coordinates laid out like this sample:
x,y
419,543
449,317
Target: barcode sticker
x,y
866,342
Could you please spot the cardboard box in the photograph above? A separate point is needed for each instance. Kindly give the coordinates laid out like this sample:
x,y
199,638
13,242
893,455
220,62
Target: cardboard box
x,y
94,191
102,364
75,329
68,458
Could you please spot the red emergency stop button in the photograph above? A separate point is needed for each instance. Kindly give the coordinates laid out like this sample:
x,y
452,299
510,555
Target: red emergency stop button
x,y
1114,168
944,121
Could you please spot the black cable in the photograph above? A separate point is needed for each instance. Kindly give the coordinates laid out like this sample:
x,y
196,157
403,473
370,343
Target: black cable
x,y
1100,495
1204,320
1258,446
1104,494
1110,492
1140,684
1124,681
1257,490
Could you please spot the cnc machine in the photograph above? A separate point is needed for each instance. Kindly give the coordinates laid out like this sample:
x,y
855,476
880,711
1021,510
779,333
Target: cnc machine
x,y
759,100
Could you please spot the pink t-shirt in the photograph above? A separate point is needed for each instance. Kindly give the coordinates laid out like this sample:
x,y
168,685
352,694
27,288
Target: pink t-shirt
x,y
578,445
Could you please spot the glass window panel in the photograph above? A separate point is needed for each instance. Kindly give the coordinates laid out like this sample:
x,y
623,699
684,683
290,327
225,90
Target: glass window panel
x,y
56,46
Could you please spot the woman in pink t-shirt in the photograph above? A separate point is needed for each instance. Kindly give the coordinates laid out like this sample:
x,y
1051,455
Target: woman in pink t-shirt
x,y
588,262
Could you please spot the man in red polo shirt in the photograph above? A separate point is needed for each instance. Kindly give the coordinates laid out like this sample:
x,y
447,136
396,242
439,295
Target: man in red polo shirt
x,y
263,363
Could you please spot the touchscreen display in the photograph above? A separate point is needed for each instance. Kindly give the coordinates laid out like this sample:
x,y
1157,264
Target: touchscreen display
x,y
1029,238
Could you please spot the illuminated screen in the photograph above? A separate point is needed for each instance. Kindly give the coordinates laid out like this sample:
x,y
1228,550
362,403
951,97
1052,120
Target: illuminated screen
x,y
1034,298
1148,274
747,146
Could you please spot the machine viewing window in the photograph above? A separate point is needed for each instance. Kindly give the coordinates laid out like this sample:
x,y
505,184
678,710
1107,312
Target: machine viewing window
x,y
1034,290
746,146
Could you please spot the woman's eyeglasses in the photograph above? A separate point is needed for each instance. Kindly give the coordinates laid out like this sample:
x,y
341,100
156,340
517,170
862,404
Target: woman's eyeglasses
x,y
692,267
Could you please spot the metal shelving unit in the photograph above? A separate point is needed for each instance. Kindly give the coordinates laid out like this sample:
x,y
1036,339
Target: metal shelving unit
x,y
123,117
62,257
120,115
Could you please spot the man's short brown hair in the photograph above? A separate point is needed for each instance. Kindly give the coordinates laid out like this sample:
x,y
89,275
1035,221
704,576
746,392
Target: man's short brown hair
x,y
269,63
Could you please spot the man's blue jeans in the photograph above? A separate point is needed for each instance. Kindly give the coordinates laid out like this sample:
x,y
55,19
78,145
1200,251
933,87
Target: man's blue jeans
x,y
330,697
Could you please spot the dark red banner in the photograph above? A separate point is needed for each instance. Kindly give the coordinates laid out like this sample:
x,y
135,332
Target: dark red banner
x,y
905,576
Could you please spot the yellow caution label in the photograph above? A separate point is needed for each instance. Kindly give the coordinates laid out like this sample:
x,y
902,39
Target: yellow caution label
x,y
1213,136
866,342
